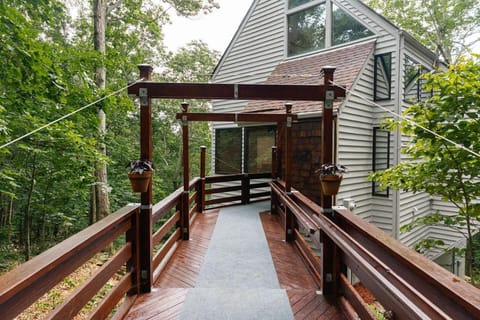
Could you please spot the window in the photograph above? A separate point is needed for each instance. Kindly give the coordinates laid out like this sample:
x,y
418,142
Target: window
x,y
382,77
345,28
258,153
380,157
228,150
308,29
414,90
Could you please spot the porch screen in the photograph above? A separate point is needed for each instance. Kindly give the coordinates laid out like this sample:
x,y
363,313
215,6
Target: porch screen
x,y
228,150
258,154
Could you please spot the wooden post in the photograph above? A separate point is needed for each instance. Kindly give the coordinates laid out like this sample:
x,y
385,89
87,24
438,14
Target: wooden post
x,y
273,197
274,163
288,150
201,189
146,151
245,188
289,218
327,131
330,255
185,219
133,236
279,169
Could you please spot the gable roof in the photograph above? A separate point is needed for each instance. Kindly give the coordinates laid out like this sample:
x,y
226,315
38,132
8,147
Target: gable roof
x,y
349,62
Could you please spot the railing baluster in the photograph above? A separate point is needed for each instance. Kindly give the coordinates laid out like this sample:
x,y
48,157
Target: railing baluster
x,y
201,184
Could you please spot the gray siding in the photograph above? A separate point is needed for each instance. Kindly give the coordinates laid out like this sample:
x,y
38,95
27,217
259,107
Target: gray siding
x,y
255,51
259,46
357,118
421,204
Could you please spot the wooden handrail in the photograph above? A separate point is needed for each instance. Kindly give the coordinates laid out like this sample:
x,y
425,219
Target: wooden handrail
x,y
404,281
245,187
28,282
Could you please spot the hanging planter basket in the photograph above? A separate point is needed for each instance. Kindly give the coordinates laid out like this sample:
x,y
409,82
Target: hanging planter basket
x,y
330,184
140,181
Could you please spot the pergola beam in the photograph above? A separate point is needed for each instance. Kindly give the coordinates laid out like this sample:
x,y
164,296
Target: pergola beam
x,y
236,117
235,91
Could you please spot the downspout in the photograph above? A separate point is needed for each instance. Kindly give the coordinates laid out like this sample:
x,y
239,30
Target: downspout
x,y
398,140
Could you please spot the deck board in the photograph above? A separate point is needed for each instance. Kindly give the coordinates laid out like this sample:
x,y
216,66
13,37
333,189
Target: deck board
x,y
180,274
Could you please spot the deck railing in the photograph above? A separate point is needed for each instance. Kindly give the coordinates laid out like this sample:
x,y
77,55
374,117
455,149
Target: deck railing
x,y
27,283
239,193
24,285
408,285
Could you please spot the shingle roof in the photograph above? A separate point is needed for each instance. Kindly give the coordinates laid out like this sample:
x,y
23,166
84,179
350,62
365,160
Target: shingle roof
x,y
349,61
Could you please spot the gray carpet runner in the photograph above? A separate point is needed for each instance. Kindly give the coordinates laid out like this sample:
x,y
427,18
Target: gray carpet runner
x,y
238,280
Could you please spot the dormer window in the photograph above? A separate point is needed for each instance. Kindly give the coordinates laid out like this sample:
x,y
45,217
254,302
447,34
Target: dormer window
x,y
314,25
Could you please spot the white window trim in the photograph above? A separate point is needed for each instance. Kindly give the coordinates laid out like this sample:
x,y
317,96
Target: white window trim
x,y
304,6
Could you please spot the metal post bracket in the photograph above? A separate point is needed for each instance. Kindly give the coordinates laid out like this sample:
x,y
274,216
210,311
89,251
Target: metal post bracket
x,y
143,94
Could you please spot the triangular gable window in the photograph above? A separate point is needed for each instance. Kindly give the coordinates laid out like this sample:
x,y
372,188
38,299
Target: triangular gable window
x,y
309,31
346,28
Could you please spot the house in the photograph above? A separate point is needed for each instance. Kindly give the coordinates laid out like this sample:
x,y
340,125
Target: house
x,y
289,42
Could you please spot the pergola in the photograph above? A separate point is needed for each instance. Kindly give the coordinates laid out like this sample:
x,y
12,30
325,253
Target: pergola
x,y
146,90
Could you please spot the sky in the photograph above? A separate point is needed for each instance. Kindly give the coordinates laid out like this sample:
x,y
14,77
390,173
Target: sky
x,y
216,29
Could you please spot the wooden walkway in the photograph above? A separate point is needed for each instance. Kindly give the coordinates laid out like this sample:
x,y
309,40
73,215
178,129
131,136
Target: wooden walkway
x,y
166,299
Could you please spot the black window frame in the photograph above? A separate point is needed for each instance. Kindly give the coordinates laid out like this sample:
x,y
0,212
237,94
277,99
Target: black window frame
x,y
388,70
416,80
375,187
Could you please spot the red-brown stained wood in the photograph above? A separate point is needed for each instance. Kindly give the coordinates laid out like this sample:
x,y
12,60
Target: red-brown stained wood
x,y
161,303
170,290
183,268
295,277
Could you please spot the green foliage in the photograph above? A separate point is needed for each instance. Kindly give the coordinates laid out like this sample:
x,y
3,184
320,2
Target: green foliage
x,y
443,166
449,28
46,179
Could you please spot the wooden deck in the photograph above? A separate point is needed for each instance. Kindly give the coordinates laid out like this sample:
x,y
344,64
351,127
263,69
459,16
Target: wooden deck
x,y
170,291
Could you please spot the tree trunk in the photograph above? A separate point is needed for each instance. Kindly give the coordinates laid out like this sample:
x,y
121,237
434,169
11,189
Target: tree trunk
x,y
100,201
28,219
9,219
469,253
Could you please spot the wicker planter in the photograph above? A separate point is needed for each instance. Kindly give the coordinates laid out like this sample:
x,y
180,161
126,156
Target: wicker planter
x,y
140,181
330,184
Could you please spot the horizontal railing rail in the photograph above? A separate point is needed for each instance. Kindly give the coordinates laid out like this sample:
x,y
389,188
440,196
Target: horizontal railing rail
x,y
241,193
168,235
24,285
28,282
408,285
